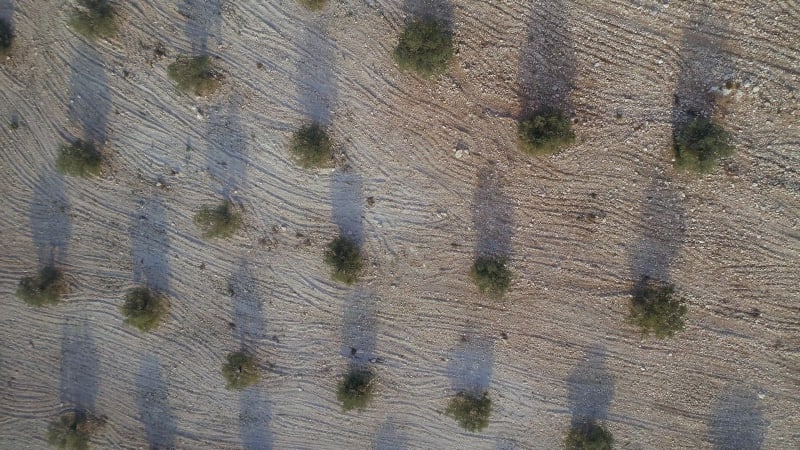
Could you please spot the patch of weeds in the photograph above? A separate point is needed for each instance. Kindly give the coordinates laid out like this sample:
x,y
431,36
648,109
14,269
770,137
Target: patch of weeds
x,y
144,308
195,74
6,37
73,430
589,435
491,275
471,411
425,47
313,5
46,288
311,146
344,256
656,309
699,144
79,159
239,371
94,19
356,389
219,222
544,131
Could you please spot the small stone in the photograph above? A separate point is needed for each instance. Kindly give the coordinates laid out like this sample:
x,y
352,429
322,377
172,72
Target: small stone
x,y
459,153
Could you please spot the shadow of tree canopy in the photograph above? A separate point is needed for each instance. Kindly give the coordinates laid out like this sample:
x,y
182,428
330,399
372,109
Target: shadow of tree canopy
x,y
152,401
248,318
203,22
471,363
90,97
79,365
492,215
737,421
390,437
7,11
254,419
590,387
360,328
227,153
348,204
150,245
316,76
49,214
440,10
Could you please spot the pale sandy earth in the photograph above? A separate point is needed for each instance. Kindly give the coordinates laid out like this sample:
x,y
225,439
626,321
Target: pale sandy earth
x,y
439,160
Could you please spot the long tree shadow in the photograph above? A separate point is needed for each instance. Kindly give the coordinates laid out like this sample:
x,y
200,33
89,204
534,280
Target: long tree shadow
x,y
737,421
348,204
360,328
7,12
591,387
152,400
79,365
90,97
492,216
705,66
389,437
50,218
248,319
150,245
227,154
547,59
440,10
254,418
471,364
203,22
316,77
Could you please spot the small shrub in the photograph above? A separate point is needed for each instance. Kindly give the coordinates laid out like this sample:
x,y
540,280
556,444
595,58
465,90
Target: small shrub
x,y
344,256
144,308
46,288
6,36
313,5
589,435
356,389
471,411
220,222
656,309
79,159
73,430
699,144
425,46
240,371
544,131
311,146
93,19
491,275
195,74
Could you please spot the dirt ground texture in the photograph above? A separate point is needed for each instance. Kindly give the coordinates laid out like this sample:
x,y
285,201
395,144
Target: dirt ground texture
x,y
428,176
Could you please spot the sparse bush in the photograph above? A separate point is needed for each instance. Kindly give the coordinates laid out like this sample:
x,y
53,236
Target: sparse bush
x,y
79,159
471,411
656,309
344,256
699,144
144,308
46,288
311,146
93,19
314,5
6,36
222,221
544,131
73,430
491,275
195,74
240,371
425,46
356,389
588,435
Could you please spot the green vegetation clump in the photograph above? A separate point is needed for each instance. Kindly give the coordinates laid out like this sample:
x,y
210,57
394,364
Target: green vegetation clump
x,y
491,275
313,5
344,256
93,19
471,411
356,389
79,159
144,308
699,144
656,309
6,37
589,435
73,430
544,131
220,222
46,288
311,146
240,371
195,74
425,46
